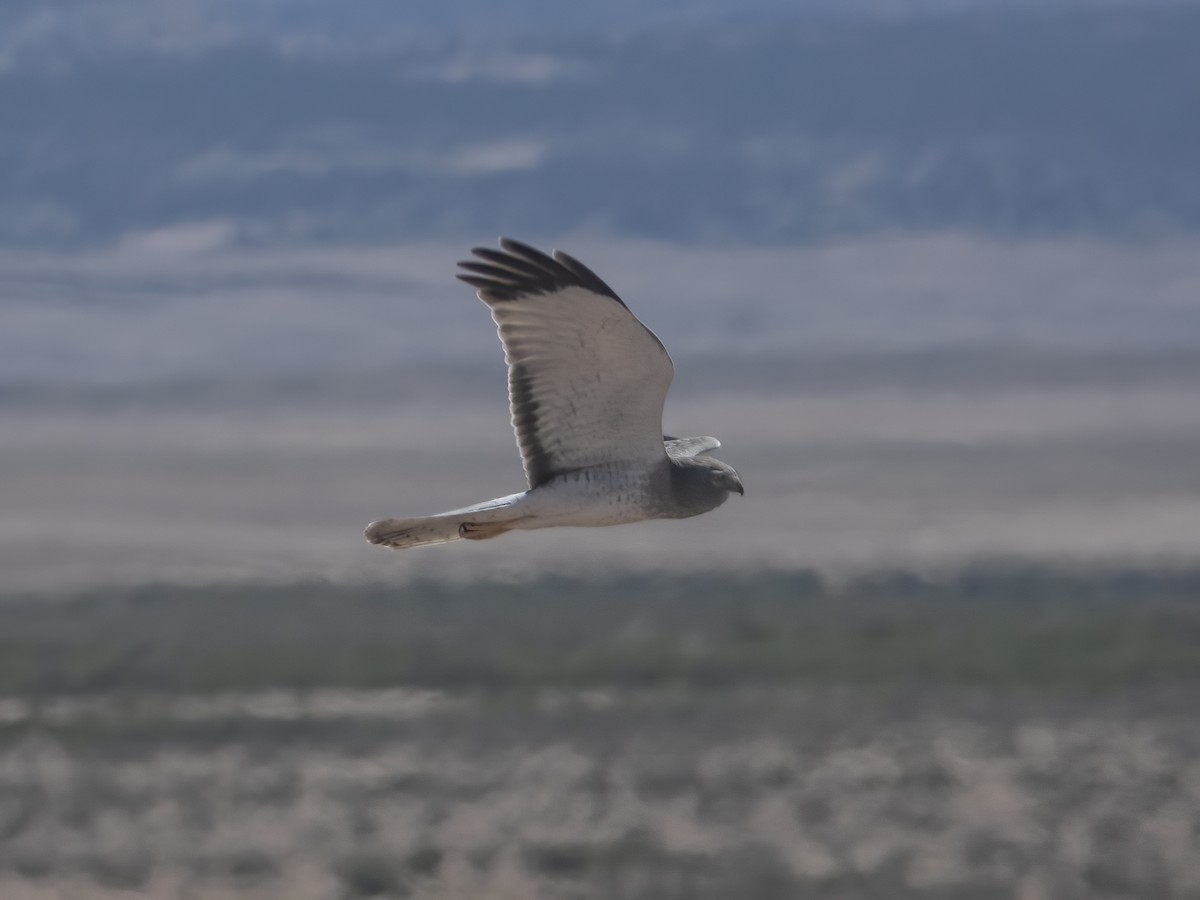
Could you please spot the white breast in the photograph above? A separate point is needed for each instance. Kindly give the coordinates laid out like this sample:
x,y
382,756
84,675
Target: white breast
x,y
609,494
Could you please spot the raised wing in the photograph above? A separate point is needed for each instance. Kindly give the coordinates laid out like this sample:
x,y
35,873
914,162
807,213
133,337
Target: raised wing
x,y
678,448
586,380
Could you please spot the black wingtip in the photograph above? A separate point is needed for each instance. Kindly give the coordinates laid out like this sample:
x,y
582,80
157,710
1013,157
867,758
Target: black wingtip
x,y
520,248
519,270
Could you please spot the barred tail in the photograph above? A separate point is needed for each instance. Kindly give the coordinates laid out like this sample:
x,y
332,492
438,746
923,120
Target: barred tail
x,y
488,520
401,533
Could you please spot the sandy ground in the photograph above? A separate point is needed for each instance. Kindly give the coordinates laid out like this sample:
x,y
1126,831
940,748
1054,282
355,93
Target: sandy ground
x,y
847,792
843,477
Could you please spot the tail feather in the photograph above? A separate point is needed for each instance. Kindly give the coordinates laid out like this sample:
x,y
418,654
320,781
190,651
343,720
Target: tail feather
x,y
402,533
477,523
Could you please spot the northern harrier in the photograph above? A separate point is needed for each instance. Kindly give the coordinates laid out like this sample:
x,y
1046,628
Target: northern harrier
x,y
586,386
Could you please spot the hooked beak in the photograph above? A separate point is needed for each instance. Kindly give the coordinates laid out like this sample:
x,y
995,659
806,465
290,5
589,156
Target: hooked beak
x,y
735,484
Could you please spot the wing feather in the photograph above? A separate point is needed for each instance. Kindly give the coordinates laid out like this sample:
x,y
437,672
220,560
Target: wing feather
x,y
586,380
679,448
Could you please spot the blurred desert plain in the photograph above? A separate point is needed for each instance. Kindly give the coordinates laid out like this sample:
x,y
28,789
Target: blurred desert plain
x,y
932,274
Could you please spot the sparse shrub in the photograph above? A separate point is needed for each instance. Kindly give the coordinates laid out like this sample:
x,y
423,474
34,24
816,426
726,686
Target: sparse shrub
x,y
571,859
371,875
425,861
560,860
19,806
251,865
119,872
33,865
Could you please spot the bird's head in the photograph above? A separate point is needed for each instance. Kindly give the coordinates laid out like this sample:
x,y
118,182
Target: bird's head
x,y
714,473
724,476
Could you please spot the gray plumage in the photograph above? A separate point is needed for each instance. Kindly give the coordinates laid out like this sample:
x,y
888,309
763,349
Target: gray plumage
x,y
587,382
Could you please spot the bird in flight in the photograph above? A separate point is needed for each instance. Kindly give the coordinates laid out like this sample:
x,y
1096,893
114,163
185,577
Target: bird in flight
x,y
586,386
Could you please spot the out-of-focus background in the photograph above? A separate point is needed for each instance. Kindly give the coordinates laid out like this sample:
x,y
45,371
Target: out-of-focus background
x,y
930,270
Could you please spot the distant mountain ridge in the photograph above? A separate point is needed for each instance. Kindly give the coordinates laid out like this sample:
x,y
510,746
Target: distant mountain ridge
x,y
1077,121
36,28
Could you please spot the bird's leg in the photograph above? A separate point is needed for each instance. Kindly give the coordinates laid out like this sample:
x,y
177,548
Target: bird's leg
x,y
481,531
